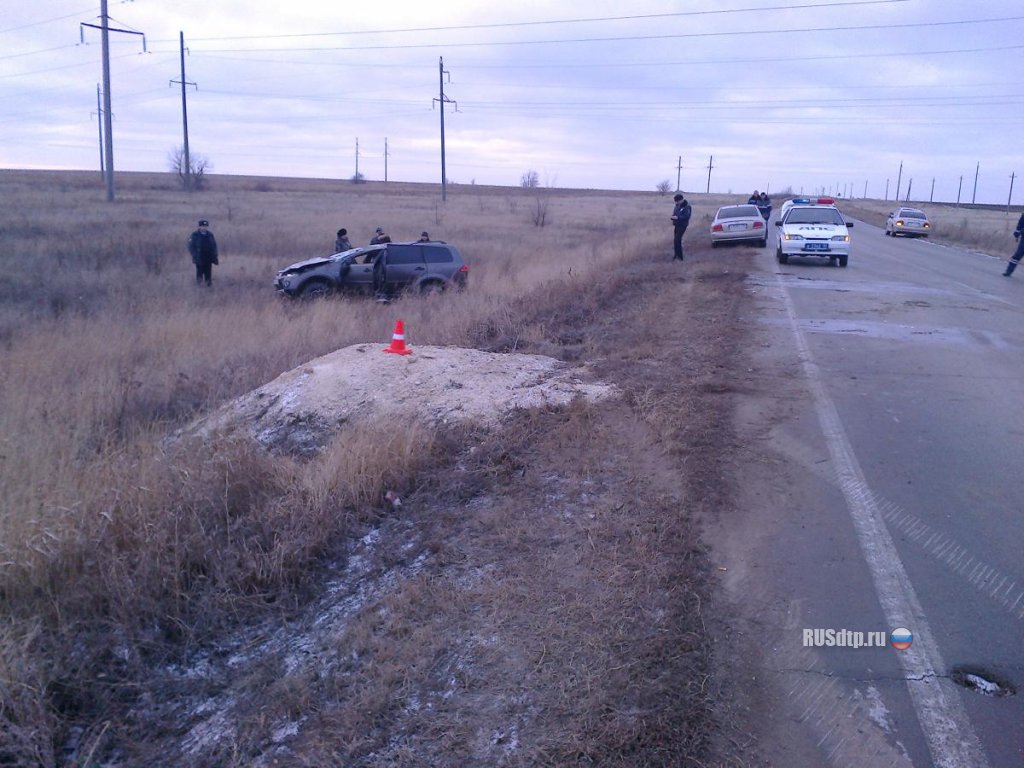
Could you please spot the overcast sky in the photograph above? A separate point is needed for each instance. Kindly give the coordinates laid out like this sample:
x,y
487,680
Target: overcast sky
x,y
806,94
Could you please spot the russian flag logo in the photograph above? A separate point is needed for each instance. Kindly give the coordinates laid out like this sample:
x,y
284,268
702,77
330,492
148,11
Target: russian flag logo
x,y
901,638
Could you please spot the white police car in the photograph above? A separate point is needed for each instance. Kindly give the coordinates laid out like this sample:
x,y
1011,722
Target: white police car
x,y
813,227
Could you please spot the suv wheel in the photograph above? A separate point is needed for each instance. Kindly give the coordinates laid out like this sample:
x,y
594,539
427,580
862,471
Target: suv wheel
x,y
316,289
431,288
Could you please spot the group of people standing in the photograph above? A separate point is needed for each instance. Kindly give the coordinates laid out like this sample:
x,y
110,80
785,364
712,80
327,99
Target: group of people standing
x,y
342,243
763,203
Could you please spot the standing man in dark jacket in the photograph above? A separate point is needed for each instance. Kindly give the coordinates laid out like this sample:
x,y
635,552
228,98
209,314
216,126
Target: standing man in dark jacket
x,y
203,247
1019,253
680,220
764,205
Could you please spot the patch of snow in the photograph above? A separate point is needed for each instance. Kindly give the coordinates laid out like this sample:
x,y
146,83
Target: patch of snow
x,y
877,710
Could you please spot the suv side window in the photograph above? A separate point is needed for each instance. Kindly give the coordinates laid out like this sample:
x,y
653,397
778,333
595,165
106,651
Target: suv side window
x,y
438,254
404,254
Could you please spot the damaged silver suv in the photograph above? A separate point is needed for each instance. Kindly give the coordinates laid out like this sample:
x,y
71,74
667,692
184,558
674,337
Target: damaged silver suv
x,y
379,270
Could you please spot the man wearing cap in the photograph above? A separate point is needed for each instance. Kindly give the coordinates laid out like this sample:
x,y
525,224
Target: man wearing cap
x,y
203,247
681,213
379,237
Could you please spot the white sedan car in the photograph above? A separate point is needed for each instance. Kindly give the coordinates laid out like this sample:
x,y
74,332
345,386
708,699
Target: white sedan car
x,y
909,222
738,223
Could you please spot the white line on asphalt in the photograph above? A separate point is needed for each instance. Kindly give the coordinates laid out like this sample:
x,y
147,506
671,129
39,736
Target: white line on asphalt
x,y
940,712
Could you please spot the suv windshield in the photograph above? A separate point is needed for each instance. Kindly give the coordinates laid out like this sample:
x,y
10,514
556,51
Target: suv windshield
x,y
815,216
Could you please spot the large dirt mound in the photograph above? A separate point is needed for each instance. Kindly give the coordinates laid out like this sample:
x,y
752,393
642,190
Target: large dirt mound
x,y
299,410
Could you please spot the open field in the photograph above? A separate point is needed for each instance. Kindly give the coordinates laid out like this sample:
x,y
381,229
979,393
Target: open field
x,y
122,561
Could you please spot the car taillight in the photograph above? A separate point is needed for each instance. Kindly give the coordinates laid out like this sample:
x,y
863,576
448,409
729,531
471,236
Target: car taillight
x,y
717,228
758,225
899,222
464,269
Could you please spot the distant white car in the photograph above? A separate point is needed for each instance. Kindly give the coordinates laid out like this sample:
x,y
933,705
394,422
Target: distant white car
x,y
813,229
737,223
909,222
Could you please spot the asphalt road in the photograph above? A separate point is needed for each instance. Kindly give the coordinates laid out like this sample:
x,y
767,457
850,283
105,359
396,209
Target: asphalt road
x,y
883,434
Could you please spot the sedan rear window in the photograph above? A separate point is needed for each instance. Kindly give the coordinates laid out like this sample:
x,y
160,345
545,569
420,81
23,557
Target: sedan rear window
x,y
912,214
738,211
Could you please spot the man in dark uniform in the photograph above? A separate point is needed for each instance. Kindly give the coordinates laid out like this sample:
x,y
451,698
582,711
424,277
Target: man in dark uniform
x,y
203,248
1019,253
680,220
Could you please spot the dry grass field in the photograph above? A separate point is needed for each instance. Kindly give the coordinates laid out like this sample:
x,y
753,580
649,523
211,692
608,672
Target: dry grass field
x,y
122,558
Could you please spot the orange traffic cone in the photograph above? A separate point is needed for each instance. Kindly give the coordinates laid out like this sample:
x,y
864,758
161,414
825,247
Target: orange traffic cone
x,y
398,341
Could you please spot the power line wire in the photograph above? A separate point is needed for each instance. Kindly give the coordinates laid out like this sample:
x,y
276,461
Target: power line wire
x,y
632,38
509,24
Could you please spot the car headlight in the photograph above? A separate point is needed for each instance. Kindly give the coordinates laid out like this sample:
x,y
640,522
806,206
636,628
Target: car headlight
x,y
840,238
899,222
788,236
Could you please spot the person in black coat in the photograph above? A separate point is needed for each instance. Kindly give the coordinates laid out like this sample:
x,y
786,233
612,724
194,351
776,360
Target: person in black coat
x,y
680,221
202,246
1018,233
341,242
764,205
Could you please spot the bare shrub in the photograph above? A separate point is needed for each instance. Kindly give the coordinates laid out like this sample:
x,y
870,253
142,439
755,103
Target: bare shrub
x,y
539,213
530,180
664,187
192,174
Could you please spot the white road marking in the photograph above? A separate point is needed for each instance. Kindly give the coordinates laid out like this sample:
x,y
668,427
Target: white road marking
x,y
940,712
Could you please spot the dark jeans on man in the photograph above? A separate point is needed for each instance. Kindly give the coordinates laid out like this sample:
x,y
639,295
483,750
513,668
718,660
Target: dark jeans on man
x,y
204,273
1015,259
677,242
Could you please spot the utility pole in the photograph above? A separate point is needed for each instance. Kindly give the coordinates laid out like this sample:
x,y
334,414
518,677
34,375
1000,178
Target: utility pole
x,y
898,179
385,159
959,189
974,195
107,121
865,189
1010,196
356,177
442,100
710,166
931,197
99,123
108,132
887,190
909,185
679,172
184,112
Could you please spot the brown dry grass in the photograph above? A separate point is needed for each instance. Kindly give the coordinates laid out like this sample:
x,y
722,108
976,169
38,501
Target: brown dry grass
x,y
116,552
